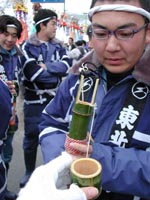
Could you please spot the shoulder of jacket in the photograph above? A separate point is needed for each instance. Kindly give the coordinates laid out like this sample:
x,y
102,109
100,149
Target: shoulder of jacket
x,y
33,39
89,57
56,41
141,70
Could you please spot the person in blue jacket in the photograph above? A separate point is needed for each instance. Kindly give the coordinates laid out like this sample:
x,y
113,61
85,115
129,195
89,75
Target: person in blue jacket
x,y
5,113
10,32
45,63
121,128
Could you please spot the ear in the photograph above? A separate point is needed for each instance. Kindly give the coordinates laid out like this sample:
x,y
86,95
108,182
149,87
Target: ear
x,y
42,26
148,34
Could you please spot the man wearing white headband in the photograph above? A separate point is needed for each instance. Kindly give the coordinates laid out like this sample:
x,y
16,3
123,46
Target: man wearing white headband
x,y
10,32
44,64
120,127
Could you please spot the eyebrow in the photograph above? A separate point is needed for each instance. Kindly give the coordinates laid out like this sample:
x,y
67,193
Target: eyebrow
x,y
7,32
52,20
128,25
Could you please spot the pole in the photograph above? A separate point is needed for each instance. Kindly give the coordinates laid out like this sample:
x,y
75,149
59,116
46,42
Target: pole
x,y
64,6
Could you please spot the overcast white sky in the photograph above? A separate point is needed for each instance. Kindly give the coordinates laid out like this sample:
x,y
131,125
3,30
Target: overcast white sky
x,y
71,6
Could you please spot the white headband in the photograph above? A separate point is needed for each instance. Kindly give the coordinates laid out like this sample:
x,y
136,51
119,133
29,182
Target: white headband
x,y
11,26
43,20
118,7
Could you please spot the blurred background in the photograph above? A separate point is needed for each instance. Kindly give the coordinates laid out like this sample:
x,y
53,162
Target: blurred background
x,y
72,16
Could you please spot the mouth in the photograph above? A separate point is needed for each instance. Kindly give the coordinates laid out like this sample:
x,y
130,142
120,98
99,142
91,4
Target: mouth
x,y
8,46
114,61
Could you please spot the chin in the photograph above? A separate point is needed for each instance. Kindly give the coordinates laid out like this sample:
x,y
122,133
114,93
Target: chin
x,y
117,69
7,48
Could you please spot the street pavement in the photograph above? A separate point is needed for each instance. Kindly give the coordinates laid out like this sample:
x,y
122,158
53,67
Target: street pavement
x,y
17,167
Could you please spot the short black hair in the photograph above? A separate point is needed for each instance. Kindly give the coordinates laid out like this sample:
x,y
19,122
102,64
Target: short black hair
x,y
43,14
6,20
79,43
71,39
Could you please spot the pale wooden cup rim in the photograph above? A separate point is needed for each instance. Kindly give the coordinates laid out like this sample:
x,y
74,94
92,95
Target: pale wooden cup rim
x,y
98,166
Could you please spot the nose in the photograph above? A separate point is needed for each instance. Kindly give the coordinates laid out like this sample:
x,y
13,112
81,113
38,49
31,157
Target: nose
x,y
112,43
10,38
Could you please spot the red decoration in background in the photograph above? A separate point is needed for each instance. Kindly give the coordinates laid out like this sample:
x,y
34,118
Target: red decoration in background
x,y
24,34
21,12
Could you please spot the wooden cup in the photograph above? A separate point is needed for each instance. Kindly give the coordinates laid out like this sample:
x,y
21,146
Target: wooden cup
x,y
86,172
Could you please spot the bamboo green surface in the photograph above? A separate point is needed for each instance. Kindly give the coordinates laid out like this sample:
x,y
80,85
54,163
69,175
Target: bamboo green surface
x,y
82,112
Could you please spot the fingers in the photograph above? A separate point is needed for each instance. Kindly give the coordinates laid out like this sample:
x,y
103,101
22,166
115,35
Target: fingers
x,y
90,192
81,147
11,86
84,193
71,150
43,65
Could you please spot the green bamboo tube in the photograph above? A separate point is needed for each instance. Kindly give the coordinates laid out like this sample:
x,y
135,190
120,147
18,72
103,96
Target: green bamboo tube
x,y
82,112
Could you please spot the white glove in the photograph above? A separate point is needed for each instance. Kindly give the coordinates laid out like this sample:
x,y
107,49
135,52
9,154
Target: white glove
x,y
46,181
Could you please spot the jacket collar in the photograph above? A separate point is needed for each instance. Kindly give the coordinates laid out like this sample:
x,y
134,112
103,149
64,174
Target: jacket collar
x,y
14,51
141,70
34,40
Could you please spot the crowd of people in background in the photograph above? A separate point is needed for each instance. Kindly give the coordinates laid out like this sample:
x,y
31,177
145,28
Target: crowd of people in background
x,y
118,53
45,64
38,64
76,50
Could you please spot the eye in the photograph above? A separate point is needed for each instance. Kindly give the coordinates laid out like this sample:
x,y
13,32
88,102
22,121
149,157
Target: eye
x,y
100,33
53,23
6,34
124,33
14,35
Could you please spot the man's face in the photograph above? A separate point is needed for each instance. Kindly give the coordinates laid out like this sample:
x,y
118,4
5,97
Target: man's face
x,y
119,56
9,38
70,41
50,29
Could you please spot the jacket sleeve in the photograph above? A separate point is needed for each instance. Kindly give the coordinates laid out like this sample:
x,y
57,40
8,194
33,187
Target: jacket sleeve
x,y
34,72
55,122
59,68
5,108
130,175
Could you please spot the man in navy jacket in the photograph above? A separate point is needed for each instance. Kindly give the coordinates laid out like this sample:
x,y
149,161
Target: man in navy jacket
x,y
121,129
45,63
5,113
10,32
